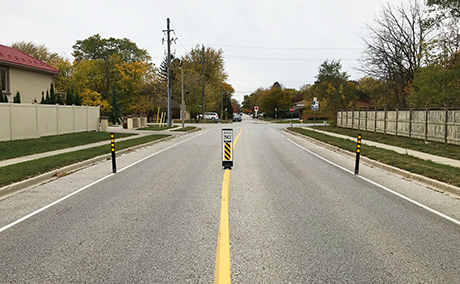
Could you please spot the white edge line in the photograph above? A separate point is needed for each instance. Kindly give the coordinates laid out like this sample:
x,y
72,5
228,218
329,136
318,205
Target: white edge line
x,y
382,187
89,185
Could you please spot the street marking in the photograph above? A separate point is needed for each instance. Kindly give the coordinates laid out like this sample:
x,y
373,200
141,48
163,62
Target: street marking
x,y
222,266
89,185
381,186
238,136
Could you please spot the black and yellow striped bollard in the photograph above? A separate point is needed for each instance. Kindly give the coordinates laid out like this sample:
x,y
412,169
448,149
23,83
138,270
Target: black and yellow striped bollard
x,y
112,145
358,152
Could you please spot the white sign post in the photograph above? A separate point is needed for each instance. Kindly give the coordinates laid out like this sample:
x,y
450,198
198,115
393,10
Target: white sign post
x,y
227,148
314,108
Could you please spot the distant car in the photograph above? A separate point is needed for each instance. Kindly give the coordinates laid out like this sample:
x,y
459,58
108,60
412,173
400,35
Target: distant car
x,y
208,115
237,117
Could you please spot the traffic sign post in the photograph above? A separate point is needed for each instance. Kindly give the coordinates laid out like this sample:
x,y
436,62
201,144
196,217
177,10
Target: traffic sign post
x,y
314,108
227,148
292,113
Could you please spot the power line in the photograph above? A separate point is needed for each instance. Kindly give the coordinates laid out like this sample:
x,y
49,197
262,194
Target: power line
x,y
240,57
288,48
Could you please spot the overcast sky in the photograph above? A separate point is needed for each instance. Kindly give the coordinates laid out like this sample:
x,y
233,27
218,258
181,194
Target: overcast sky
x,y
263,41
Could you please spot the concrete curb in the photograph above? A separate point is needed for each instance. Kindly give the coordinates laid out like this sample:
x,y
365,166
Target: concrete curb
x,y
54,174
428,182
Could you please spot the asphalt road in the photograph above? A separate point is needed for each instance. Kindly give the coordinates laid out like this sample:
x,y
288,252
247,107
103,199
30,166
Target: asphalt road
x,y
297,215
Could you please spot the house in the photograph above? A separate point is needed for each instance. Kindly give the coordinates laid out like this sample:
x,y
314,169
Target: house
x,y
25,74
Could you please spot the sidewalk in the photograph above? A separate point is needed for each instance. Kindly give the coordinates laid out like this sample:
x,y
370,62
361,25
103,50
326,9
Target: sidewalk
x,y
140,133
417,154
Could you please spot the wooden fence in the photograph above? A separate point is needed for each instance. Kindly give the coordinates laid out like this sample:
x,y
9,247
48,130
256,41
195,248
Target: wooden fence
x,y
440,125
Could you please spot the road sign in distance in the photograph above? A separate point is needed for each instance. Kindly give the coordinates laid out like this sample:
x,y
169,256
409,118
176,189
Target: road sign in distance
x,y
256,108
291,109
314,105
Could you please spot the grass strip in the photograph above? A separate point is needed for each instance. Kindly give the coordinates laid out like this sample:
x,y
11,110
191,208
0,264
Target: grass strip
x,y
434,148
19,148
444,173
185,129
17,172
294,121
156,128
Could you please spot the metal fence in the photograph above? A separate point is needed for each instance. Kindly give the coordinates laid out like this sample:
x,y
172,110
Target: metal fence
x,y
440,125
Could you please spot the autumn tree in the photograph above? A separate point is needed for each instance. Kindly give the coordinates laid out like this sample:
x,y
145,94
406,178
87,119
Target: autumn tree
x,y
40,52
437,85
246,105
214,73
276,97
110,72
95,48
396,47
333,89
372,89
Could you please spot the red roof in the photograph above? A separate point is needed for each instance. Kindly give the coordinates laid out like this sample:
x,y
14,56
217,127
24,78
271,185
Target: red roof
x,y
13,57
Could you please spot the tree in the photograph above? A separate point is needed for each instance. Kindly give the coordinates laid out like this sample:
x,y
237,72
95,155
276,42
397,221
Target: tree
x,y
276,97
95,48
451,6
77,100
39,52
246,103
436,86
330,71
70,97
397,47
64,80
333,89
52,99
113,68
214,74
371,89
17,98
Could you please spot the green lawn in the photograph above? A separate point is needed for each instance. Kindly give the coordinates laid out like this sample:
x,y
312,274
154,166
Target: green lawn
x,y
295,121
19,148
25,170
157,127
434,148
185,129
429,169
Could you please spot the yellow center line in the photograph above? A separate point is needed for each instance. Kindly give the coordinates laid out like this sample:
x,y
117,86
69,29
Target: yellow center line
x,y
222,268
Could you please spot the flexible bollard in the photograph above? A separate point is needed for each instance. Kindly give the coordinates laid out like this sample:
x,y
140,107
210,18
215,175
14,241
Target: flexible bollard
x,y
358,152
112,145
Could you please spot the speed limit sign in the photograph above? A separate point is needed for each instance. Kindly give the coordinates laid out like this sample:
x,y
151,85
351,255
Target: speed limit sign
x,y
227,147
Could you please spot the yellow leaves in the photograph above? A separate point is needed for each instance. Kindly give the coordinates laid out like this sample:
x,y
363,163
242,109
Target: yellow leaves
x,y
131,75
330,89
93,98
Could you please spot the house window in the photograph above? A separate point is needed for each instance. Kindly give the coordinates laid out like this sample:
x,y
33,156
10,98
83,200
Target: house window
x,y
4,79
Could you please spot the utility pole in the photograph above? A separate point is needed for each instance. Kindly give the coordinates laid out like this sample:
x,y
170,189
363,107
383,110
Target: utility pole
x,y
202,97
168,62
182,106
222,104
